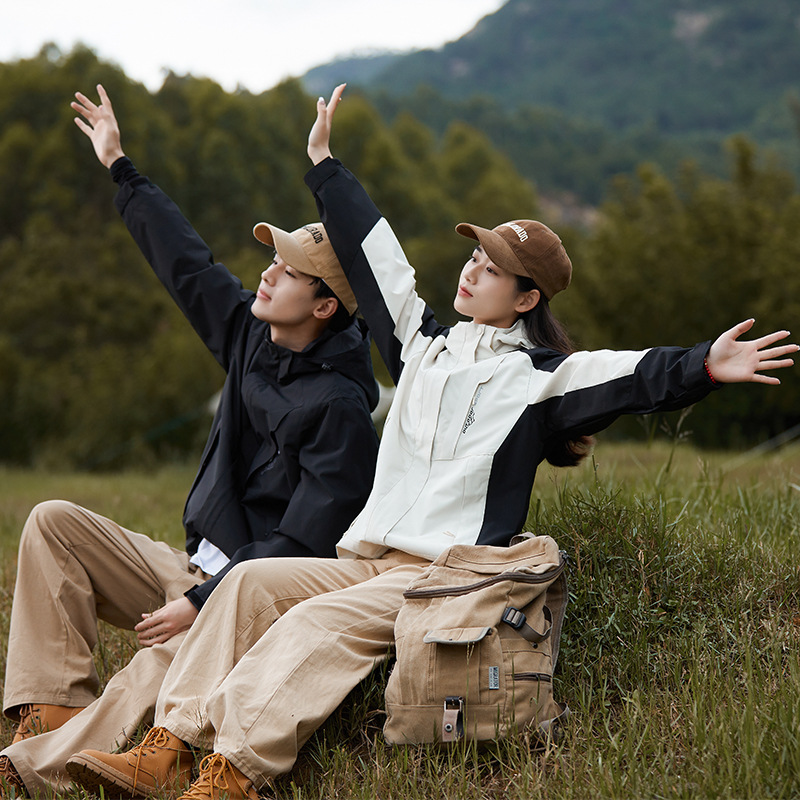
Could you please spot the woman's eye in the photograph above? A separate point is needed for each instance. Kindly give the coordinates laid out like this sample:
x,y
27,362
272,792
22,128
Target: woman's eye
x,y
491,271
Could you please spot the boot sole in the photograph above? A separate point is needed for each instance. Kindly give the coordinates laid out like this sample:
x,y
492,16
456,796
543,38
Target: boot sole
x,y
94,775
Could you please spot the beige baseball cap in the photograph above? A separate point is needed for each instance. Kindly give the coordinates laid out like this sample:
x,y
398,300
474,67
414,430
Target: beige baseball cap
x,y
309,250
525,247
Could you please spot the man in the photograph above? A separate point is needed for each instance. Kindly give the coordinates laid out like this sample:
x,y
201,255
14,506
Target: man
x,y
288,464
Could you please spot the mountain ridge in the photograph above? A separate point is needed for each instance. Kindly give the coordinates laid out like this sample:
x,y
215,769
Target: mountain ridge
x,y
687,66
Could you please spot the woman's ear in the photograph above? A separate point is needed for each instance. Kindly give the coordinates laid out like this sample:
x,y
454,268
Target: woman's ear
x,y
527,300
326,308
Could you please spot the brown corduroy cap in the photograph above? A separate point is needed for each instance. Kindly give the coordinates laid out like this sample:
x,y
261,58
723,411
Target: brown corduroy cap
x,y
309,250
525,247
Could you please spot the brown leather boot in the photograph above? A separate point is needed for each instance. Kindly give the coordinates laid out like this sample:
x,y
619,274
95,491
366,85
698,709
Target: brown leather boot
x,y
11,784
36,718
161,761
220,780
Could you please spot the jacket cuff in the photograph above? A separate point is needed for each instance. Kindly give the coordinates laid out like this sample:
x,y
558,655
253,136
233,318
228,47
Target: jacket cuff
x,y
195,597
319,173
128,178
122,170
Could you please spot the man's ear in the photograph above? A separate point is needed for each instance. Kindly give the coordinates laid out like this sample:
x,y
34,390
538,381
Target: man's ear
x,y
527,301
326,308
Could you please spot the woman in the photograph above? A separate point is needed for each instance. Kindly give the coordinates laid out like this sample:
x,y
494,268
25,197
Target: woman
x,y
478,405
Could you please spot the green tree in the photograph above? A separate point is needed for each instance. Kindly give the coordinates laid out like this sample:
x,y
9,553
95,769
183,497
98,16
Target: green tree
x,y
681,262
87,334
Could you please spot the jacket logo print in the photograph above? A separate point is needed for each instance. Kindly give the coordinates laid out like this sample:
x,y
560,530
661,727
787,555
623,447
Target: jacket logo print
x,y
471,413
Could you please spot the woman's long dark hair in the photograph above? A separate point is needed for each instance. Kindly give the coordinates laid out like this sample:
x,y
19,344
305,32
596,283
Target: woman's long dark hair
x,y
544,330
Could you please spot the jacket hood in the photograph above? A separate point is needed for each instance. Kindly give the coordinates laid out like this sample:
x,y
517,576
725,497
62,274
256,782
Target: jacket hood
x,y
346,352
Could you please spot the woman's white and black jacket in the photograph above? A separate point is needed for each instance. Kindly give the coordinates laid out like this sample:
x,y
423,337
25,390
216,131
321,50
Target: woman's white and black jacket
x,y
475,405
291,454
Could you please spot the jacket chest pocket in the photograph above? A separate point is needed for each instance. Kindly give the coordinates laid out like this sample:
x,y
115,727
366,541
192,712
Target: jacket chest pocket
x,y
466,407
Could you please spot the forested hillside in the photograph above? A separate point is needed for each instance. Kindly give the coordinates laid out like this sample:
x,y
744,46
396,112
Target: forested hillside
x,y
608,82
687,66
96,366
97,369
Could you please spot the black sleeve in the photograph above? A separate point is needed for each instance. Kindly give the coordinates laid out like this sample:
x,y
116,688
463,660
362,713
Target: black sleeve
x,y
213,300
383,281
620,382
277,546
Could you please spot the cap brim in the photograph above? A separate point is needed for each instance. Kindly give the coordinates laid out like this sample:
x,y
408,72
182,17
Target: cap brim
x,y
286,246
494,245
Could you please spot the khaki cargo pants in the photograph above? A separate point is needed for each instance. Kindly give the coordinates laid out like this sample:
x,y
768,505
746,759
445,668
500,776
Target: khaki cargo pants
x,y
260,671
74,568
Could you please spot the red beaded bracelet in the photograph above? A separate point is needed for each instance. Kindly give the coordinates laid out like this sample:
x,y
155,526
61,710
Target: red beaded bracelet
x,y
708,372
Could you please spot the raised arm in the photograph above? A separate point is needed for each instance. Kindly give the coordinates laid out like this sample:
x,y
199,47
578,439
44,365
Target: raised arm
x,y
212,299
586,391
383,281
732,361
100,126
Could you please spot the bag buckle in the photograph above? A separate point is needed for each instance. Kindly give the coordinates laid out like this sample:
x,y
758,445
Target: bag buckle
x,y
513,617
453,718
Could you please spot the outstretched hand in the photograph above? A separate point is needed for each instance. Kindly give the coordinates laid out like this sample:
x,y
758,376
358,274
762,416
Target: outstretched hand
x,y
319,139
732,361
100,126
163,623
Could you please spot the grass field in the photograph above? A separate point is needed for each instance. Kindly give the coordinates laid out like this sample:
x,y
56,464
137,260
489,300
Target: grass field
x,y
679,656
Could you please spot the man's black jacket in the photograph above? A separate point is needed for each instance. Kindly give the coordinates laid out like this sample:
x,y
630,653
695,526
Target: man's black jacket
x,y
291,454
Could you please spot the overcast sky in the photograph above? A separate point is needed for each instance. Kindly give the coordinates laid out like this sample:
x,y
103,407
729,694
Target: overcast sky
x,y
252,43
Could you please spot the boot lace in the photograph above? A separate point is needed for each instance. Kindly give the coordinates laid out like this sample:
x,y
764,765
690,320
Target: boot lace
x,y
10,776
155,739
30,720
216,779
